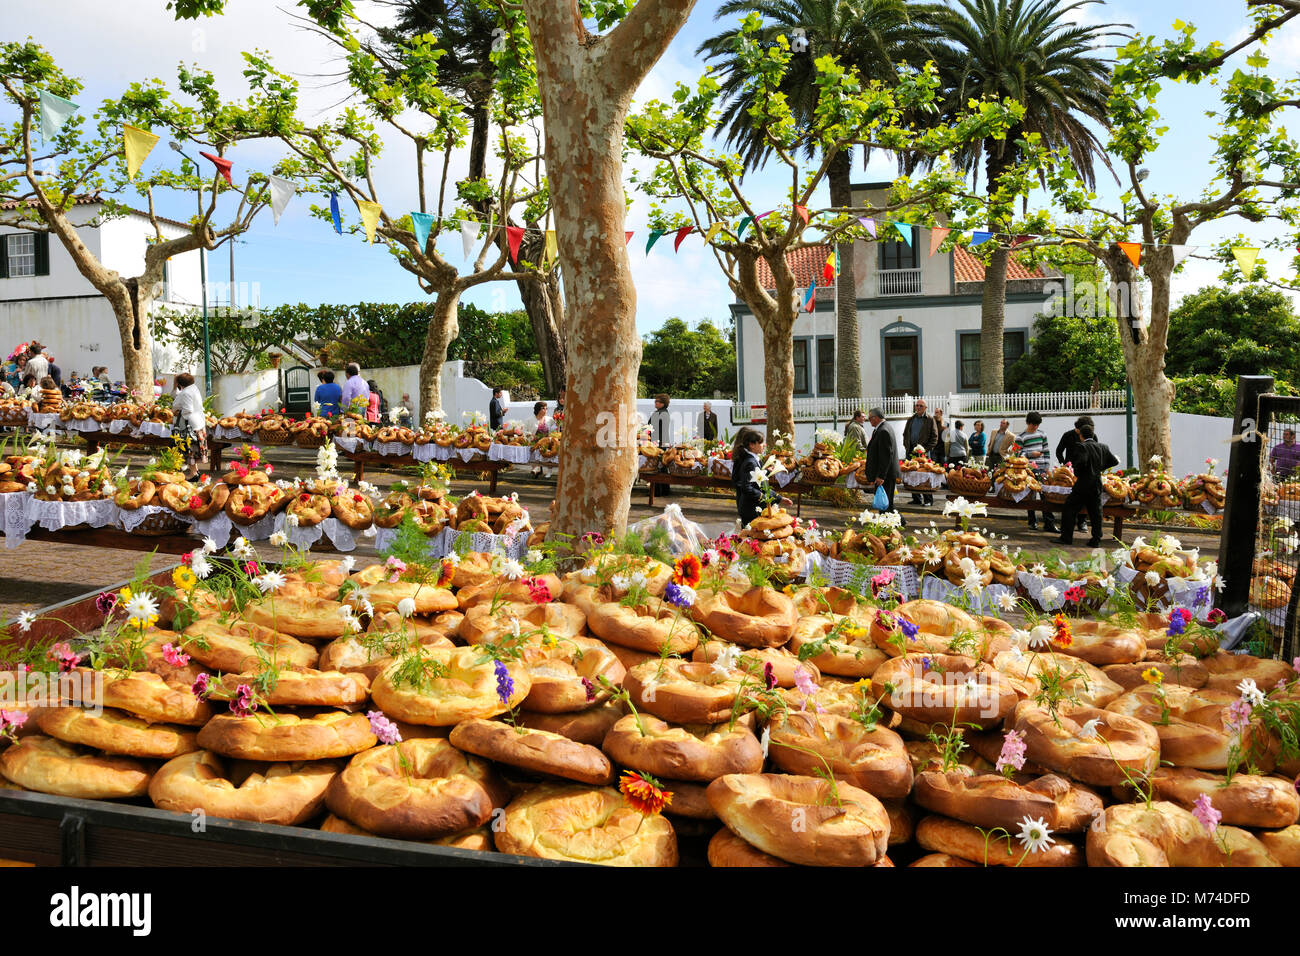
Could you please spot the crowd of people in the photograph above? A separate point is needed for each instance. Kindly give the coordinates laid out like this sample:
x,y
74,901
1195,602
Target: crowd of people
x,y
30,369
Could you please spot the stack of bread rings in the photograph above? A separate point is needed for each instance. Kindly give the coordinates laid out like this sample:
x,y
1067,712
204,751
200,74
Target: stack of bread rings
x,y
1157,489
1117,489
618,723
1204,489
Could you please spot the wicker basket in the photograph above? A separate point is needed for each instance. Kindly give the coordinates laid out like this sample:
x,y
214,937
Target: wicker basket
x,y
720,470
309,439
160,523
1055,497
686,471
275,436
964,485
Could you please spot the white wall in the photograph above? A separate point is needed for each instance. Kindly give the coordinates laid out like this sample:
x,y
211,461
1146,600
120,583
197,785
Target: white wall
x,y
247,391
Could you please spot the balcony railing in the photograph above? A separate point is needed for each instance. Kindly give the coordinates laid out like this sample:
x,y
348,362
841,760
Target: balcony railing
x,y
898,282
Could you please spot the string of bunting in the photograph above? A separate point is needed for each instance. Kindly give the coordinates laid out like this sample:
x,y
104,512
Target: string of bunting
x,y
139,143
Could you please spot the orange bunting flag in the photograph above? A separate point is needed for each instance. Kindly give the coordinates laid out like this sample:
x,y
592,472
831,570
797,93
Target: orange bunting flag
x,y
937,235
1133,250
682,233
514,236
802,212
627,237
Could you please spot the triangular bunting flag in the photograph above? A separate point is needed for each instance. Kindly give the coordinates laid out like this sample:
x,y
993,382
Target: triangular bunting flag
x,y
55,111
831,268
810,297
139,143
514,236
369,217
552,246
978,238
1133,250
468,236
713,231
627,237
904,230
1021,239
744,224
223,165
802,212
682,233
421,223
281,192
937,235
869,225
1246,256
654,237
1180,253
334,212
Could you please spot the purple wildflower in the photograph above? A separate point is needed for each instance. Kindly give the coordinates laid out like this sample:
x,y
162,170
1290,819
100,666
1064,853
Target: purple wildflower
x,y
505,683
908,628
679,595
383,728
1013,751
590,688
200,686
1205,812
243,704
106,601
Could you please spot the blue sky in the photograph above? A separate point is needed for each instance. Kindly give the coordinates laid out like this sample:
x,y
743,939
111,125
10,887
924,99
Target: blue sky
x,y
301,260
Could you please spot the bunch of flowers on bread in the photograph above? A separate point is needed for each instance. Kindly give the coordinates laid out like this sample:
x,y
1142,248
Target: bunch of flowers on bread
x,y
424,501
71,476
511,433
832,456
920,461
1204,489
1157,488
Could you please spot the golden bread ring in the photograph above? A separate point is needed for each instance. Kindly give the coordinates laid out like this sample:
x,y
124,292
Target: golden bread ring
x,y
874,760
700,752
233,646
750,617
211,498
1121,747
420,789
684,692
1248,800
308,688
964,841
466,688
649,626
353,509
478,839
753,660
46,765
310,509
1196,731
537,751
500,590
138,493
557,674
427,598
796,818
991,800
116,732
944,688
849,653
1163,834
585,824
287,737
283,793
154,698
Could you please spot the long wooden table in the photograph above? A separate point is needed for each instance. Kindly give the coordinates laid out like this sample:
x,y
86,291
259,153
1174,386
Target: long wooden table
x,y
653,478
362,458
95,439
120,540
1117,513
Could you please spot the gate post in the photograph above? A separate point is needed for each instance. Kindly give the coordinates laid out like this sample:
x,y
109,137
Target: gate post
x,y
1241,509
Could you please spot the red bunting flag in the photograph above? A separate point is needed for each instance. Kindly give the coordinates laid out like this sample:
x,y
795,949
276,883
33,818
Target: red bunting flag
x,y
223,165
1133,250
682,233
627,237
802,212
514,236
937,236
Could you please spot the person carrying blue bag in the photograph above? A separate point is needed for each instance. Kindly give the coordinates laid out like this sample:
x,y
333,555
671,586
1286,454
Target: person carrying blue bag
x,y
881,464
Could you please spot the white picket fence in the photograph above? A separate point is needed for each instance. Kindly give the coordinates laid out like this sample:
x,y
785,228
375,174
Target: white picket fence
x,y
958,403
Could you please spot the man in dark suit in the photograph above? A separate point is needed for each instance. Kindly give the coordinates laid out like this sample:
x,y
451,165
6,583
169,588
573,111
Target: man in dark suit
x,y
881,462
496,410
1089,458
1069,440
920,430
708,423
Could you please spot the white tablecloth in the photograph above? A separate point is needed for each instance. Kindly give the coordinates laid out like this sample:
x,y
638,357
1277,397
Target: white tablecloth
x,y
425,452
1016,497
857,577
54,515
117,426
156,429
43,421
1034,584
393,449
941,589
129,520
83,425
515,454
922,479
341,536
350,445
13,517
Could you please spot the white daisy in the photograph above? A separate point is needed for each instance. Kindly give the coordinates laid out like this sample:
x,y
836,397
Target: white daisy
x,y
533,556
619,582
1051,594
587,573
1006,601
141,608
209,546
766,740
1040,635
1089,730
25,621
406,607
1250,692
726,661
291,521
1034,834
452,558
269,582
347,563
279,539
1119,557
973,582
199,565
930,553
1019,638
1152,579
905,554
1038,570
512,569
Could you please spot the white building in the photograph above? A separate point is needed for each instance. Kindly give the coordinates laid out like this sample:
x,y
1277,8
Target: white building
x,y
918,317
44,297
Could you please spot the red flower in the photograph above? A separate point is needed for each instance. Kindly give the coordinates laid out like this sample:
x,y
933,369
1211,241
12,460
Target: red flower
x,y
538,591
769,676
269,468
358,498
196,502
246,511
251,568
445,573
1062,637
187,557
686,570
304,497
643,793
1074,593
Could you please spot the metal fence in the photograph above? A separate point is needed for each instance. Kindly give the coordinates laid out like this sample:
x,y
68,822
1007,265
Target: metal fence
x,y
966,403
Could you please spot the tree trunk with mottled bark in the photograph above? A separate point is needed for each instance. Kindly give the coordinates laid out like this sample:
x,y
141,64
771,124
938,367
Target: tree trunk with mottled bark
x,y
775,315
993,310
545,307
848,360
1144,361
586,84
443,328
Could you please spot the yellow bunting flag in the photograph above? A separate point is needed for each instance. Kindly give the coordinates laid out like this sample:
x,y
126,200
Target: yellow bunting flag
x,y
1133,250
552,246
139,144
1246,256
369,217
713,231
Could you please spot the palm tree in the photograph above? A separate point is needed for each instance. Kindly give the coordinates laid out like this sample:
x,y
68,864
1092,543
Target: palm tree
x,y
1037,53
875,37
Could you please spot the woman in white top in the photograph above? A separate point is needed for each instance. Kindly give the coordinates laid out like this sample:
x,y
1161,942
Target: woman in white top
x,y
189,423
954,439
542,425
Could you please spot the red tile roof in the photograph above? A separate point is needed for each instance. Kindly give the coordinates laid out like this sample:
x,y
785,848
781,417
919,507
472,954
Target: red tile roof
x,y
966,268
95,201
806,263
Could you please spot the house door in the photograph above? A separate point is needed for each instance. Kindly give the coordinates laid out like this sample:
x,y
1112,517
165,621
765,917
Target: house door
x,y
296,385
902,365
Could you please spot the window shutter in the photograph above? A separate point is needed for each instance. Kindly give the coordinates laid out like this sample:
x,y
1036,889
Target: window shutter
x,y
4,257
42,253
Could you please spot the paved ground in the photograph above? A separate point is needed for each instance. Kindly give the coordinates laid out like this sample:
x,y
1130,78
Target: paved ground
x,y
39,574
